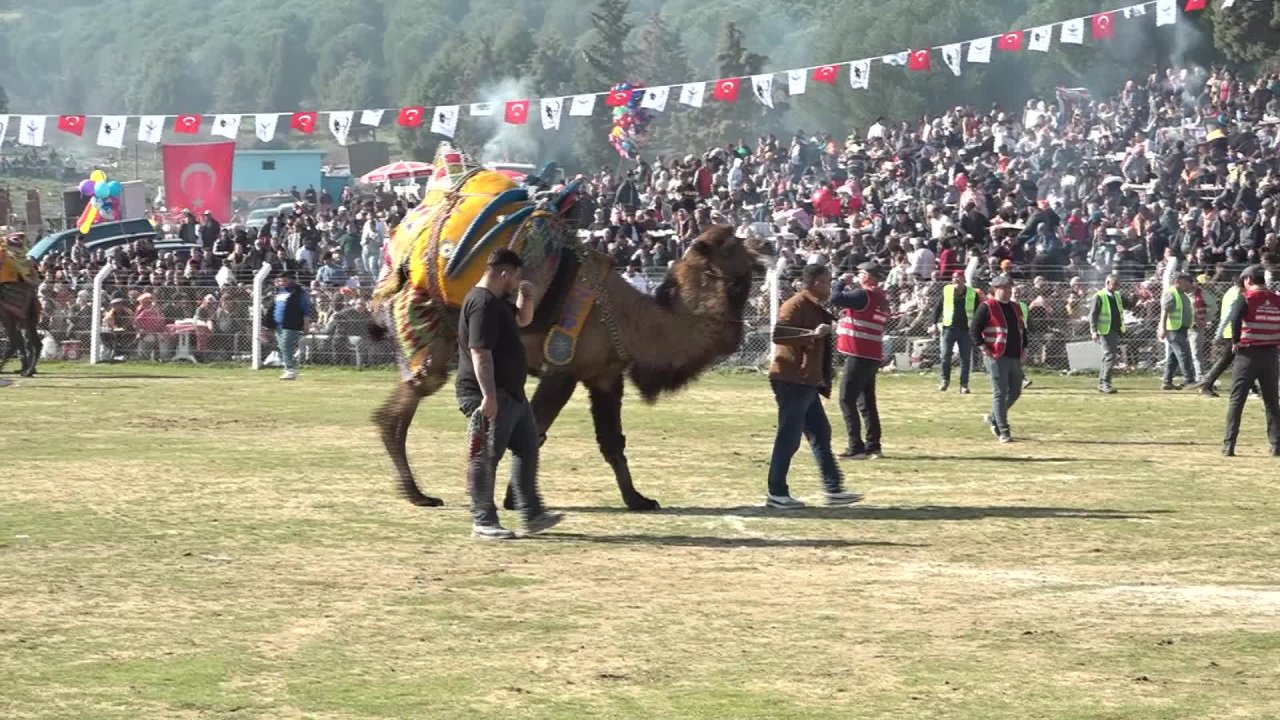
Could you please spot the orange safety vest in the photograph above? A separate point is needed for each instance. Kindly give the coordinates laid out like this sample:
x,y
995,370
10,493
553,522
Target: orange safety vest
x,y
1260,326
996,335
860,333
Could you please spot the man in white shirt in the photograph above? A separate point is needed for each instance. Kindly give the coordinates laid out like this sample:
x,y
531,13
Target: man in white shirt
x,y
371,239
877,130
636,278
923,261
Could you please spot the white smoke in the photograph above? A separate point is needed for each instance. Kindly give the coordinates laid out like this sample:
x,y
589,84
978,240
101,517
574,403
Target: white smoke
x,y
507,142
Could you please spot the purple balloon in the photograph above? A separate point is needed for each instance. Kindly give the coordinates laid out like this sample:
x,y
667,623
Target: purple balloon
x,y
87,187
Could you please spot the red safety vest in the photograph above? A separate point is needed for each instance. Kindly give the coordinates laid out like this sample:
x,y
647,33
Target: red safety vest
x,y
860,333
1260,326
1201,309
995,335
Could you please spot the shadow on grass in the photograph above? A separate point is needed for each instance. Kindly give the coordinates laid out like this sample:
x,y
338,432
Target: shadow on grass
x,y
1000,458
1168,443
923,512
78,386
709,541
107,376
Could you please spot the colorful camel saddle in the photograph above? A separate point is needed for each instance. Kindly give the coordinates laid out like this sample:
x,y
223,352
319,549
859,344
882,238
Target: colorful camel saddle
x,y
441,249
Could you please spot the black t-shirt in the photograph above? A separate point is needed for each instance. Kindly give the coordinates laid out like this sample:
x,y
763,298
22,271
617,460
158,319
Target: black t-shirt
x,y
488,321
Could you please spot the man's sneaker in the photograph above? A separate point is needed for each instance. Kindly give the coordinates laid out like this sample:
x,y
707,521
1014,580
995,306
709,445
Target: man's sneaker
x,y
843,497
1170,388
288,375
847,454
1107,390
1195,385
542,523
964,389
1027,382
783,502
491,532
859,455
875,455
943,387
991,423
1006,438
1209,392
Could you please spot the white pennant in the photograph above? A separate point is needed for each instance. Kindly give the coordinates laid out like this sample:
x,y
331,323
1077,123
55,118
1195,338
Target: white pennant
x,y
1167,12
4,128
444,121
980,50
1227,3
227,126
763,87
951,56
860,74
582,105
655,98
896,59
1073,32
1040,38
264,126
31,130
111,131
551,108
151,129
372,118
797,81
691,94
1134,11
340,124
481,109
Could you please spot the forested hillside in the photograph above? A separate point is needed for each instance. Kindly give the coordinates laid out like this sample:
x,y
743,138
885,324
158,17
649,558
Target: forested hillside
x,y
177,56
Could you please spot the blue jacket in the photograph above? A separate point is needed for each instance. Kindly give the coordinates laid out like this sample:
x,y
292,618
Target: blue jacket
x,y
292,308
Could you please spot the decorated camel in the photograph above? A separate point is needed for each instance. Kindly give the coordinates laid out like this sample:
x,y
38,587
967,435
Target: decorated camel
x,y
19,305
591,327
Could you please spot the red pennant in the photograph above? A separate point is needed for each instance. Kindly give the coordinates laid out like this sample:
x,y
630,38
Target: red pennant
x,y
919,60
1010,41
1104,27
618,98
1193,5
517,112
411,116
187,124
727,90
825,74
303,122
73,124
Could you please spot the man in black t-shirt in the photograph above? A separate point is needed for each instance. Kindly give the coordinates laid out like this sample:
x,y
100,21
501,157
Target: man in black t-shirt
x,y
491,374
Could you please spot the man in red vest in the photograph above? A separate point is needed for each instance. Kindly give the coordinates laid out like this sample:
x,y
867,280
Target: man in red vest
x,y
1000,329
1255,325
860,338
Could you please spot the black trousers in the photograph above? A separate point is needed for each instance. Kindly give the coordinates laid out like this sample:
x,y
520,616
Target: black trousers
x,y
1255,364
1226,356
858,398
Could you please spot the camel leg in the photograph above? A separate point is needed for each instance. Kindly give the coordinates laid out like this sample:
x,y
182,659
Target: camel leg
x,y
553,393
15,343
32,344
393,420
606,412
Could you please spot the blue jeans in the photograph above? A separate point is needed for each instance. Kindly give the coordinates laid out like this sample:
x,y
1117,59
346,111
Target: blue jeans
x,y
951,337
287,344
800,413
1177,353
1006,388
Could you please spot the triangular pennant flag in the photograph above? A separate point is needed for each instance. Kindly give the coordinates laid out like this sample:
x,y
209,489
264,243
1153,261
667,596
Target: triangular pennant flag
x,y
4,128
151,129
340,125
860,74
303,122
762,86
1040,38
1134,11
655,98
582,105
481,109
618,98
1166,12
1010,41
1072,32
896,59
71,124
31,130
980,51
264,126
951,55
227,126
1194,5
187,124
111,131
551,108
516,112
726,90
444,121
411,116
1103,26
1227,3
826,74
797,80
372,118
691,94
919,60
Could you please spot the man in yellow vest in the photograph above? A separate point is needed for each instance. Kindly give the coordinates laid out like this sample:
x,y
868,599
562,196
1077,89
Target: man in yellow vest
x,y
952,317
1177,317
1106,325
1226,344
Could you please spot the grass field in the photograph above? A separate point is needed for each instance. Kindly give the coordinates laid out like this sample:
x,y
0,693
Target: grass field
x,y
196,543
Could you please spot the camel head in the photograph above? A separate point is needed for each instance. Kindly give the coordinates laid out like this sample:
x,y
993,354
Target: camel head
x,y
715,273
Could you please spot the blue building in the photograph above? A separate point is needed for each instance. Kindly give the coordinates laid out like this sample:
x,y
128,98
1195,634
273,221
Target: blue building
x,y
266,171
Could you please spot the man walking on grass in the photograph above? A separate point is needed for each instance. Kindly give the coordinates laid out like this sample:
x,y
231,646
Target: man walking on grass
x,y
1106,325
1000,328
289,317
1177,318
492,370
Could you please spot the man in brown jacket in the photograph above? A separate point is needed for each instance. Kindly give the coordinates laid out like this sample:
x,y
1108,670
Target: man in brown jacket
x,y
801,376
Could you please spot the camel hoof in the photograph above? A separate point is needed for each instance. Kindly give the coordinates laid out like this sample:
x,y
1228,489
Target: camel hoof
x,y
426,501
508,504
643,504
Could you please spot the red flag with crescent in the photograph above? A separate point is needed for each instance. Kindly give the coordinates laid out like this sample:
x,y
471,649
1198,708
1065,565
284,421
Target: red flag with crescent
x,y
189,124
727,90
1193,5
411,116
197,177
303,122
1104,26
73,124
919,60
1010,41
825,74
517,112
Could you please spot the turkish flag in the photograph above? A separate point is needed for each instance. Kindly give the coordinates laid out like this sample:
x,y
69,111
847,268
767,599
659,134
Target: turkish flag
x,y
189,124
197,177
825,74
727,90
918,60
1104,27
1010,41
517,112
411,116
1193,5
73,124
618,98
303,122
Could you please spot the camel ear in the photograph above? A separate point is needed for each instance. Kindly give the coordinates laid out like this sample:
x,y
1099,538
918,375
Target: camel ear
x,y
701,248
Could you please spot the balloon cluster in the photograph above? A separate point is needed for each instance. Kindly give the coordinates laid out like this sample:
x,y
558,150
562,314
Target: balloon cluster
x,y
104,200
630,121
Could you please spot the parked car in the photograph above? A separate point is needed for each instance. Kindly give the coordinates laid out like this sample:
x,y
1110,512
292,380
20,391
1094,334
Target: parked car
x,y
258,218
269,201
101,236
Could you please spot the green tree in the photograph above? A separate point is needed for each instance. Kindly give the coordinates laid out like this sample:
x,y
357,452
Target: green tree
x,y
660,59
512,47
550,67
4,101
283,87
1249,32
721,123
166,83
605,63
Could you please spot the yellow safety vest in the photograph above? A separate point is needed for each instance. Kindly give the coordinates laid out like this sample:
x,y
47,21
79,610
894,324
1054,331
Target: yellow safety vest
x,y
1104,314
1174,320
1228,300
949,303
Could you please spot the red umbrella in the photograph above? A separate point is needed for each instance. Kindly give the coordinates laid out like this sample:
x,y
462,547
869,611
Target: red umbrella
x,y
402,170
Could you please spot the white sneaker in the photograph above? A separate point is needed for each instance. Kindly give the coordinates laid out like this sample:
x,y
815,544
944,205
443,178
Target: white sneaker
x,y
843,497
783,502
491,532
289,375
